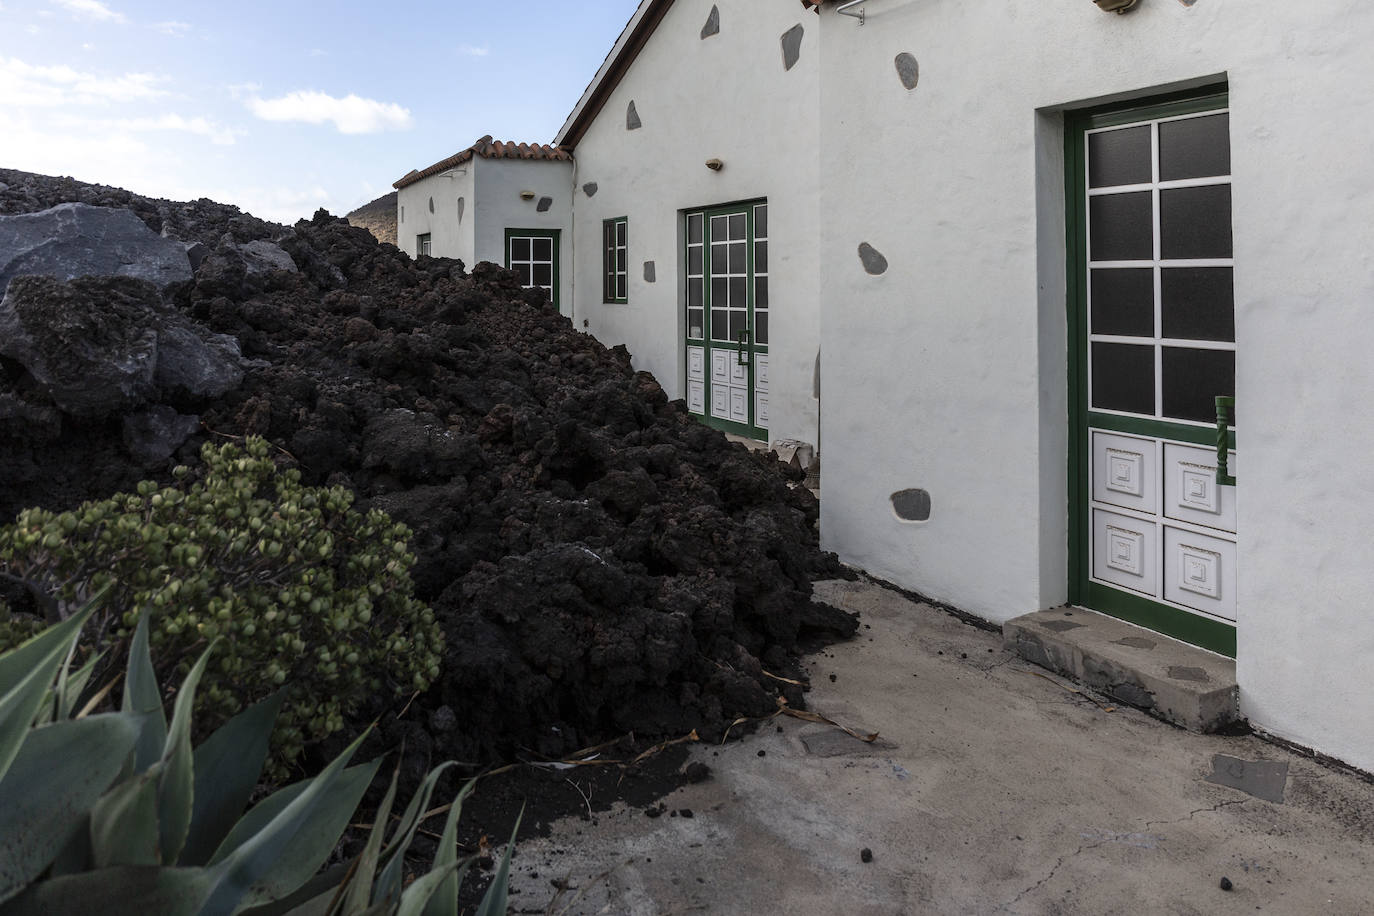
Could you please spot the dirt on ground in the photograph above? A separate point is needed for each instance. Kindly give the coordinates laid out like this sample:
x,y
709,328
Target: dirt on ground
x,y
602,563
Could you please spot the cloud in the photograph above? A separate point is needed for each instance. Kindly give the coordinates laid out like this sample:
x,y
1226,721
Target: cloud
x,y
89,9
23,84
216,133
317,52
239,90
473,51
351,114
171,27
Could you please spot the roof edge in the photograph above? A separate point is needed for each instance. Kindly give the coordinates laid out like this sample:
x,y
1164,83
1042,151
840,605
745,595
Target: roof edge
x,y
487,148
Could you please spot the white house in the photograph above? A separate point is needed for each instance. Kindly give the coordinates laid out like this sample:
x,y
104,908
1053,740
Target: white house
x,y
1029,245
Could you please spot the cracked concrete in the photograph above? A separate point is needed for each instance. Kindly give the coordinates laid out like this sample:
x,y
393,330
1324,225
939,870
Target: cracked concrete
x,y
997,788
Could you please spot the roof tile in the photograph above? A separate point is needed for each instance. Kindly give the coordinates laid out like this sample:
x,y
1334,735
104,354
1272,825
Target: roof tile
x,y
487,148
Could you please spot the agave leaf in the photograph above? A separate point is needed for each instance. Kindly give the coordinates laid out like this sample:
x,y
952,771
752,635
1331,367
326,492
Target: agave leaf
x,y
426,892
277,859
26,672
444,901
75,686
494,900
125,890
227,767
124,822
174,788
52,697
143,695
313,898
360,886
52,784
389,884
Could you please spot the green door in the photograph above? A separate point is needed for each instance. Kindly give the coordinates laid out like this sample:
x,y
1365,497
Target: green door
x,y
727,317
1152,345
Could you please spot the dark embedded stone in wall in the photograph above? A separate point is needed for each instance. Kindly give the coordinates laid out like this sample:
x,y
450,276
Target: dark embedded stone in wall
x,y
712,26
462,205
650,273
431,205
791,46
911,505
590,189
872,259
632,121
544,204
908,70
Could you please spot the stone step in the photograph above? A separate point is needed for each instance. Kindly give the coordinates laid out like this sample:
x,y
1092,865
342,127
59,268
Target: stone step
x,y
1174,681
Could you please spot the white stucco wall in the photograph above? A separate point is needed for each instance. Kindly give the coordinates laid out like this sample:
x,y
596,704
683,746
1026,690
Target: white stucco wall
x,y
948,371
726,97
450,237
498,183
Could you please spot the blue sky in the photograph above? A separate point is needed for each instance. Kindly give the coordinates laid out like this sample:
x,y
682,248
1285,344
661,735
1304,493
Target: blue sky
x,y
282,107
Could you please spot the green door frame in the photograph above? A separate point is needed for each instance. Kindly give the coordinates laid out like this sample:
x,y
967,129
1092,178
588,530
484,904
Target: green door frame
x,y
749,430
1201,631
537,234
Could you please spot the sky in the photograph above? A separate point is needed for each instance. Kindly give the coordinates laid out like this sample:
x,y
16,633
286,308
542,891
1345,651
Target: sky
x,y
283,107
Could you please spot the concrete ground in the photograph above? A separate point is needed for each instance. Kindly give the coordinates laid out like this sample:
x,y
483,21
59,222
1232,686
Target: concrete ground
x,y
993,788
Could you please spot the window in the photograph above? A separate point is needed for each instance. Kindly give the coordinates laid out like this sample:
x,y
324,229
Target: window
x,y
615,254
422,244
533,255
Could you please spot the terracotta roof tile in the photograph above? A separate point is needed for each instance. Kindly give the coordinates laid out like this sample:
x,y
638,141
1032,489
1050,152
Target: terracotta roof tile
x,y
487,148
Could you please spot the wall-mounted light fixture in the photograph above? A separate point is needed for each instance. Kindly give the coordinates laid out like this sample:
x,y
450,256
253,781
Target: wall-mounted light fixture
x,y
844,9
1116,6
715,165
527,195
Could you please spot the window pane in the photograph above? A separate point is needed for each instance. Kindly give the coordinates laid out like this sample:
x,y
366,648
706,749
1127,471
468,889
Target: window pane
x,y
1193,378
620,232
719,262
694,293
694,227
519,249
720,292
543,275
1195,147
761,327
720,324
760,292
621,290
622,258
694,260
1117,157
737,228
761,221
1123,377
543,249
761,257
694,319
738,297
523,272
720,229
1123,301
1122,227
738,324
1195,222
738,265
1198,303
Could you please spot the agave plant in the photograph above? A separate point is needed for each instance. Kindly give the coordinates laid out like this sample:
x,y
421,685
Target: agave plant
x,y
116,813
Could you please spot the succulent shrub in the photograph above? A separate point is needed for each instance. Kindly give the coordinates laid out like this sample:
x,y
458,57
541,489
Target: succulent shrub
x,y
305,592
115,813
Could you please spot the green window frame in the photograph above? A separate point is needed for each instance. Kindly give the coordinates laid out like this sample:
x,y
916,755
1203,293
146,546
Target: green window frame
x,y
528,252
615,260
422,244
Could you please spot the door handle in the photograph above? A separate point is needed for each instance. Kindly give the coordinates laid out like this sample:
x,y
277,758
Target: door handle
x,y
1225,407
742,354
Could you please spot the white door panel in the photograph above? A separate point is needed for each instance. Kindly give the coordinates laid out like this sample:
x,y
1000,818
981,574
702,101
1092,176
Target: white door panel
x,y
1191,491
1125,551
1125,472
1200,572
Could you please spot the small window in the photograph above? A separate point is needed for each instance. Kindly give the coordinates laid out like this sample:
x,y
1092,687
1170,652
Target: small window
x,y
615,260
422,244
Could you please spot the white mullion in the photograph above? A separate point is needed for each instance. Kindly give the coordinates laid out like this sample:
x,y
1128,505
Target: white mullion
x,y
1158,279
1119,189
1192,344
1088,316
1204,182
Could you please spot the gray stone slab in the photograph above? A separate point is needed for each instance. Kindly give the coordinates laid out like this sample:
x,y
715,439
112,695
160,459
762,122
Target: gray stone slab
x,y
791,46
712,26
650,272
544,204
1264,779
632,121
832,742
1180,683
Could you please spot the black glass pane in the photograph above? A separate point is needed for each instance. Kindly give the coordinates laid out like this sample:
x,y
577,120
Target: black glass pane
x,y
1117,157
761,221
1195,147
694,260
621,292
719,262
523,272
737,292
1123,301
720,292
737,258
720,228
761,257
737,225
1195,222
760,292
737,325
720,324
761,327
694,326
1122,227
1123,377
543,249
694,293
1193,379
543,275
694,228
519,249
1198,303
608,235
622,261
620,229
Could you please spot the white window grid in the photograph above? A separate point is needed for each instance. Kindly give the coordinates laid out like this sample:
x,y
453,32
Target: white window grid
x,y
541,255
